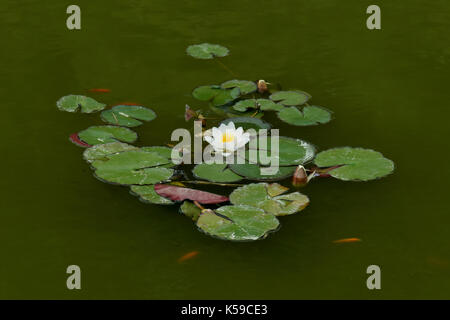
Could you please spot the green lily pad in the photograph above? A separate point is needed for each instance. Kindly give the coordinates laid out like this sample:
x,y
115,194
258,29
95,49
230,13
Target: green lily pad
x,y
107,134
244,86
251,194
218,95
72,103
165,152
262,104
237,223
269,105
269,197
311,115
190,210
355,163
148,194
253,172
133,167
102,151
243,105
215,173
291,151
128,116
290,98
206,51
248,123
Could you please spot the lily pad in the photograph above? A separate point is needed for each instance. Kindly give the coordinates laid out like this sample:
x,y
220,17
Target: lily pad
x,y
206,51
355,163
215,172
190,210
252,194
290,151
128,116
132,167
149,195
218,95
269,197
237,223
248,123
73,103
253,172
290,98
244,86
262,104
102,151
311,115
176,193
107,134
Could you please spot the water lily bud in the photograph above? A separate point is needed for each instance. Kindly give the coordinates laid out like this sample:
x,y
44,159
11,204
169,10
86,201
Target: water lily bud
x,y
300,178
262,86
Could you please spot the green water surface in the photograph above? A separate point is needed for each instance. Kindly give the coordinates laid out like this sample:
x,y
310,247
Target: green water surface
x,y
388,88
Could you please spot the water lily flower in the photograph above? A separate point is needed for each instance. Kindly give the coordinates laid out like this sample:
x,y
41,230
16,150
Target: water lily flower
x,y
227,139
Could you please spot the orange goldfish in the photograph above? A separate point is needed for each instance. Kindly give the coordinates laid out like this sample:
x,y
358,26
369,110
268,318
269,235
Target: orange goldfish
x,y
188,256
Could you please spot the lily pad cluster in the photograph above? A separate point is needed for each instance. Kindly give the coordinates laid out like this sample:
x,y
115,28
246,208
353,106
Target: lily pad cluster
x,y
250,202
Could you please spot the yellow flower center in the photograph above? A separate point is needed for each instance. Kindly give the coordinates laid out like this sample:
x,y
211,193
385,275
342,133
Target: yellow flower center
x,y
227,137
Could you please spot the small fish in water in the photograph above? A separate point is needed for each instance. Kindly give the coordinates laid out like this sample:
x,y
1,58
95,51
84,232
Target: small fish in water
x,y
347,240
188,256
99,90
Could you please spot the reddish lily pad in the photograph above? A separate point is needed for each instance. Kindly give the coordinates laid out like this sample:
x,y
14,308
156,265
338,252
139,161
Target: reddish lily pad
x,y
175,193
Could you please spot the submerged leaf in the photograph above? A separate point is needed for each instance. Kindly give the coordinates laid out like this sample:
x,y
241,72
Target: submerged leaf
x,y
179,193
148,194
72,103
355,163
248,123
107,134
253,172
215,172
128,116
237,223
290,98
206,51
311,115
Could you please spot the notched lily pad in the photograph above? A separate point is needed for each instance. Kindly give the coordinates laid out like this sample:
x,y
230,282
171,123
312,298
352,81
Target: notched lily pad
x,y
102,151
261,104
107,134
148,194
244,86
290,98
206,51
237,223
270,198
215,173
216,94
73,103
355,163
310,115
132,167
128,116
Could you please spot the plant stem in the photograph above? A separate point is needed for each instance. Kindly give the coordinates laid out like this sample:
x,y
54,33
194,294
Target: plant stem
x,y
225,67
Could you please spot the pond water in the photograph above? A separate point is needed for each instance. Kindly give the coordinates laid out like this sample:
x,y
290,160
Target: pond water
x,y
388,90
